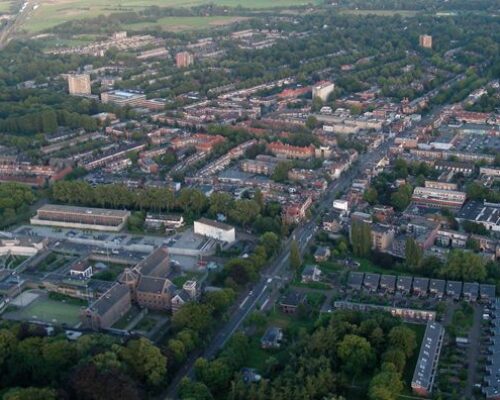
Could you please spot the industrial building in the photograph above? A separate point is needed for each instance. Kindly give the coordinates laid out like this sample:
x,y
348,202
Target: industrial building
x,y
98,219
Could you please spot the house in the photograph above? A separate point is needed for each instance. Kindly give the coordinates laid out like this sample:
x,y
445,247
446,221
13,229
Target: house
x,y
471,291
420,286
388,283
371,282
322,253
404,284
272,338
454,289
355,280
311,273
487,293
292,301
81,270
437,287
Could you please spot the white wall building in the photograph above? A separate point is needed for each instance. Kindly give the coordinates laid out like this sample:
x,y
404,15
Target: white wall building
x,y
323,90
215,230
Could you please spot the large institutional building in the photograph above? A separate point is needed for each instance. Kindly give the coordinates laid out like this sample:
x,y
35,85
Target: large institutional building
x,y
79,84
215,230
431,197
98,219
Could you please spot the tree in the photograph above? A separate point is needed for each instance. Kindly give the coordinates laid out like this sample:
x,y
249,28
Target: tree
x,y
413,253
396,357
311,122
401,168
145,361
194,390
8,344
30,393
295,257
404,339
215,374
464,265
220,203
280,173
371,195
194,316
473,244
386,385
244,211
401,198
271,242
361,238
356,354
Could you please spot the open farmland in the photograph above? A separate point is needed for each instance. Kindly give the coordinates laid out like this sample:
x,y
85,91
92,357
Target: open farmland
x,y
54,12
178,24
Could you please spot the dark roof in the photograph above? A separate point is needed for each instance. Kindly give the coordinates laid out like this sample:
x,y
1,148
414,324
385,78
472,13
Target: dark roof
x,y
388,282
437,286
355,279
150,264
150,284
421,284
471,289
480,212
372,280
321,252
487,291
404,282
104,303
429,351
272,335
293,299
454,288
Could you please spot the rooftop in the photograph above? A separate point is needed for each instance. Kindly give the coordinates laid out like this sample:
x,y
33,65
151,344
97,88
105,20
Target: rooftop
x,y
98,212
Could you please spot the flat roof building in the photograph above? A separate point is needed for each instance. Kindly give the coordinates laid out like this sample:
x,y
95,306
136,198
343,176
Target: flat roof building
x,y
79,84
484,213
99,219
123,98
428,359
215,230
431,197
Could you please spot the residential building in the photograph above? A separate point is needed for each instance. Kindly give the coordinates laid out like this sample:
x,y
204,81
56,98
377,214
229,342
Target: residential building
x,y
184,59
99,219
311,273
107,309
295,212
215,230
382,237
388,283
272,338
79,84
428,359
283,150
290,302
425,41
123,98
323,90
322,253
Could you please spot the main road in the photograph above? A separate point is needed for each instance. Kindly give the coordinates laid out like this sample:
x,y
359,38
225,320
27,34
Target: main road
x,y
277,271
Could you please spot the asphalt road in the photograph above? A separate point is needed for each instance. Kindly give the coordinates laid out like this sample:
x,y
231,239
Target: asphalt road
x,y
277,273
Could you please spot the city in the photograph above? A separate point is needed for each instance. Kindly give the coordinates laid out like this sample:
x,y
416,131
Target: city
x,y
249,200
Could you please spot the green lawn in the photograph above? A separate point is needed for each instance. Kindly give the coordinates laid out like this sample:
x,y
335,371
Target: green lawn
x,y
56,12
381,13
5,6
51,311
178,24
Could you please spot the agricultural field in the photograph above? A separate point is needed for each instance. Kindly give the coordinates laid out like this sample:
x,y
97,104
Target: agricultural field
x,y
54,12
381,13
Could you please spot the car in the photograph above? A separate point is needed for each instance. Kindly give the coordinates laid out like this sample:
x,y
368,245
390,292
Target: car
x,y
250,293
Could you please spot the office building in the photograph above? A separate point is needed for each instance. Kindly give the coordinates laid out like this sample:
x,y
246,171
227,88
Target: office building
x,y
79,84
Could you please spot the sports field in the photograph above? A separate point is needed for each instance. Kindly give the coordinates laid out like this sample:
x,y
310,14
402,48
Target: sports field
x,y
54,12
46,310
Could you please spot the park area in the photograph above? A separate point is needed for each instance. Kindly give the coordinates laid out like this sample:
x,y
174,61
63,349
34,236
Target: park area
x,y
51,13
37,306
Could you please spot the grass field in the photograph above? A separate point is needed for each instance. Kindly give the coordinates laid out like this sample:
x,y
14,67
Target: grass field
x,y
178,24
49,311
5,6
54,12
381,13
